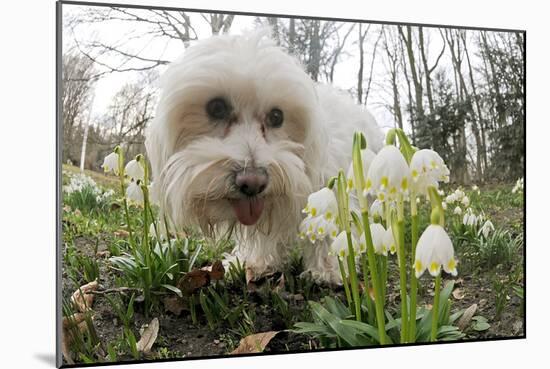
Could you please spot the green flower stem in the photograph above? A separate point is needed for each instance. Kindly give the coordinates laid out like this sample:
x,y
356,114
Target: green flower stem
x,y
435,308
120,154
383,267
146,242
402,280
353,278
414,280
345,282
370,306
378,297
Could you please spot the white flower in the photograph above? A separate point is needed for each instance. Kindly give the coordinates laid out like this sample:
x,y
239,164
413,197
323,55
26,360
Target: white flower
x,y
367,156
518,186
457,211
110,163
134,193
459,194
475,188
466,201
389,241
322,202
470,219
450,199
441,192
388,174
427,169
317,228
134,170
487,228
339,246
444,205
377,233
377,208
434,250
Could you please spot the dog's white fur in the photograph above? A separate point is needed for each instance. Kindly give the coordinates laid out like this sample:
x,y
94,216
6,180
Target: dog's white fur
x,y
193,158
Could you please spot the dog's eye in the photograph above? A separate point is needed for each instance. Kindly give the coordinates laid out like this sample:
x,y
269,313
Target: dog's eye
x,y
275,118
218,109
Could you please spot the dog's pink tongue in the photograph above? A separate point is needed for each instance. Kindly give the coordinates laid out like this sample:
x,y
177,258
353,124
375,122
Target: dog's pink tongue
x,y
248,211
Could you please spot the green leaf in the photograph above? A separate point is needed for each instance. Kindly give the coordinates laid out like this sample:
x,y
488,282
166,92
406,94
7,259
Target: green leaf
x,y
173,289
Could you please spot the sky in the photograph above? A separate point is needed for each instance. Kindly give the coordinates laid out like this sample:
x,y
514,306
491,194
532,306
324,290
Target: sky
x,y
122,33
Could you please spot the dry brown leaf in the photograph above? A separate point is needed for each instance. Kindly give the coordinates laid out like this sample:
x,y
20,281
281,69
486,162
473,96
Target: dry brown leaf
x,y
193,280
83,300
174,304
249,275
458,293
103,254
254,343
217,271
78,320
121,233
148,337
465,319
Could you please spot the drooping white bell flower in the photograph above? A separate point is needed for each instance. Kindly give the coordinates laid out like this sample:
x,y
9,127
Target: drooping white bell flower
x,y
457,211
377,233
317,228
444,205
427,169
322,202
134,193
470,219
339,245
475,188
388,174
487,228
377,208
450,199
134,170
110,163
465,201
434,251
367,156
389,241
518,187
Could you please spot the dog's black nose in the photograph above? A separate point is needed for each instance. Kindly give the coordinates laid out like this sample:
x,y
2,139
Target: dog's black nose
x,y
251,181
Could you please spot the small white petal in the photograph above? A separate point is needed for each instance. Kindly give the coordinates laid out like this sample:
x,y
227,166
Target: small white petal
x,y
134,170
110,163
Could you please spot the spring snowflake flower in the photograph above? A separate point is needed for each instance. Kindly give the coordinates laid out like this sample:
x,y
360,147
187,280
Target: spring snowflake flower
x,y
389,241
457,211
317,228
377,208
367,156
322,202
339,246
450,199
377,233
470,219
518,186
110,163
134,193
427,169
388,174
475,188
434,251
487,228
134,170
444,205
465,201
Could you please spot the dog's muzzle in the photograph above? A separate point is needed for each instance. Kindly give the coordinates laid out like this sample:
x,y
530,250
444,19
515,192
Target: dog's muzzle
x,y
251,183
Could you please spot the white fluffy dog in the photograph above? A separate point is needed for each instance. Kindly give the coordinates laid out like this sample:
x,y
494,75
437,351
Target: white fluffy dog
x,y
241,136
